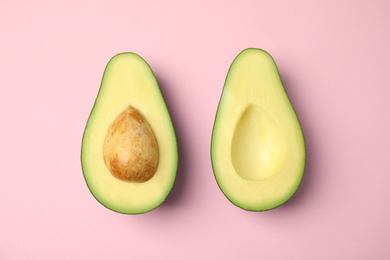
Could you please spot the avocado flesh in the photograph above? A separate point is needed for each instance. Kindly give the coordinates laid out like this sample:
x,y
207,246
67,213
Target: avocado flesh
x,y
129,81
257,149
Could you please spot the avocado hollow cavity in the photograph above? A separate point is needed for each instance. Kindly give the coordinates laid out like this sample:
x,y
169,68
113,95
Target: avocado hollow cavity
x,y
130,148
258,147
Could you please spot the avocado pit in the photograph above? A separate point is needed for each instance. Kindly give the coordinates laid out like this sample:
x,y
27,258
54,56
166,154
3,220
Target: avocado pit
x,y
130,149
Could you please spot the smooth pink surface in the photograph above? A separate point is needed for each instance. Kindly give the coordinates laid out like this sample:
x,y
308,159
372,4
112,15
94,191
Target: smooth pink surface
x,y
334,58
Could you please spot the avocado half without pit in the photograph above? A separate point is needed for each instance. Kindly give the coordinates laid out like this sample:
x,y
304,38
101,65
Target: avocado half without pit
x,y
257,148
129,152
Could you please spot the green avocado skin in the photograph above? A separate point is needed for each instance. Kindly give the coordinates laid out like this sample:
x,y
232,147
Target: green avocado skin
x,y
88,147
214,149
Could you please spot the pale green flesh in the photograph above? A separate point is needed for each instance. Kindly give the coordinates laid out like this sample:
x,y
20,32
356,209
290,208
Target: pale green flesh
x,y
258,151
128,80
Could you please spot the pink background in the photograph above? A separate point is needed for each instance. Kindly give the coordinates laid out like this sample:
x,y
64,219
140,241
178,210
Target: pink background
x,y
334,58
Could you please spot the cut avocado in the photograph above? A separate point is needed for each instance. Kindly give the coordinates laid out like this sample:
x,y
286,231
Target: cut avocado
x,y
257,148
129,152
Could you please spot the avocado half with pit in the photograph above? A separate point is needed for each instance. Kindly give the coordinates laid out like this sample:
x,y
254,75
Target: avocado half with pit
x,y
129,152
257,148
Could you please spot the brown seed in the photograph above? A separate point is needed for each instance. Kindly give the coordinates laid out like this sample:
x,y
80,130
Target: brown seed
x,y
130,148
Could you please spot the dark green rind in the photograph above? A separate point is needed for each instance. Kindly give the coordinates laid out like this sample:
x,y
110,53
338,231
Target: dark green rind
x,y
216,125
169,188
